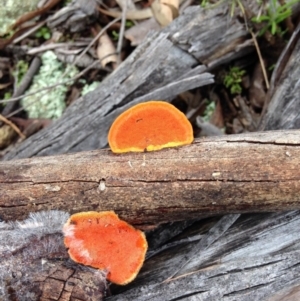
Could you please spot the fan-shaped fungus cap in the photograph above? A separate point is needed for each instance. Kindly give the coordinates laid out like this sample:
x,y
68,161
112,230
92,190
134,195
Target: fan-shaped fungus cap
x,y
103,241
149,126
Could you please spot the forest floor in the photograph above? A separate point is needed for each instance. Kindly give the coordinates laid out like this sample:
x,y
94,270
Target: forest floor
x,y
65,49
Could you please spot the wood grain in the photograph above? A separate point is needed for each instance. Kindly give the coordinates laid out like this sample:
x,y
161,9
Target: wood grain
x,y
159,68
240,173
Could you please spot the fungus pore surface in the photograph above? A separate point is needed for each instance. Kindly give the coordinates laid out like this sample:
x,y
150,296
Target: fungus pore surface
x,y
103,241
149,126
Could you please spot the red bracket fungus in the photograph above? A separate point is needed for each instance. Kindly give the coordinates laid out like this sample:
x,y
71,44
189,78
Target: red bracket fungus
x,y
149,126
103,241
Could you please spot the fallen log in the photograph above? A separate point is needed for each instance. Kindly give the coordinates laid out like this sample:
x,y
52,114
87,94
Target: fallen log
x,y
167,63
255,259
240,173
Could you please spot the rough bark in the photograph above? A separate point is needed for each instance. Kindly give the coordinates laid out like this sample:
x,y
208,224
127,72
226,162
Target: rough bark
x,y
34,263
280,112
258,257
239,173
52,279
164,65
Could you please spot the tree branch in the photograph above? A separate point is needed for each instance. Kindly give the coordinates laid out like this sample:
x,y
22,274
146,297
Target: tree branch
x,y
240,173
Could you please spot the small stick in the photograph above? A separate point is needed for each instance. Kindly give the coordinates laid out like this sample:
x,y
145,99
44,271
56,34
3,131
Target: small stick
x,y
51,46
121,33
26,80
13,126
53,86
32,14
28,32
96,38
260,59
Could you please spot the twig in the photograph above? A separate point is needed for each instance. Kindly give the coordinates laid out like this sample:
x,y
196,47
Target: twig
x,y
51,46
53,86
66,81
26,80
32,14
57,84
16,76
28,32
13,126
140,14
96,38
77,59
92,43
260,59
122,30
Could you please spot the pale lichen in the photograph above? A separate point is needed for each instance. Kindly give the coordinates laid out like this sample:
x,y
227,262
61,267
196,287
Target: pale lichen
x,y
89,88
50,103
11,10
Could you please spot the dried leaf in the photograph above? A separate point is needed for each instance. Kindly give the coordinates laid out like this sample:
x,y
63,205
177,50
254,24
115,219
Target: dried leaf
x,y
173,5
139,14
3,86
138,32
128,3
106,50
257,94
217,117
165,11
7,134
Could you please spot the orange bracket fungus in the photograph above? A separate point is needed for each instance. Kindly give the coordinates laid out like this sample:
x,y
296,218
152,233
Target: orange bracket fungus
x,y
149,126
101,240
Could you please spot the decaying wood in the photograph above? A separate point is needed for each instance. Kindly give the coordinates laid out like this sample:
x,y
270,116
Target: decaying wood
x,y
35,265
255,259
24,84
196,37
52,279
225,174
75,16
284,91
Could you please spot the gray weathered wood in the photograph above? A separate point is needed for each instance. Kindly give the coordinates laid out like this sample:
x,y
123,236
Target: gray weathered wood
x,y
285,96
258,257
198,36
34,263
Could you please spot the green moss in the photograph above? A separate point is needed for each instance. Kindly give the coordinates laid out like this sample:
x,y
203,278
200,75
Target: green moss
x,y
233,80
44,32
